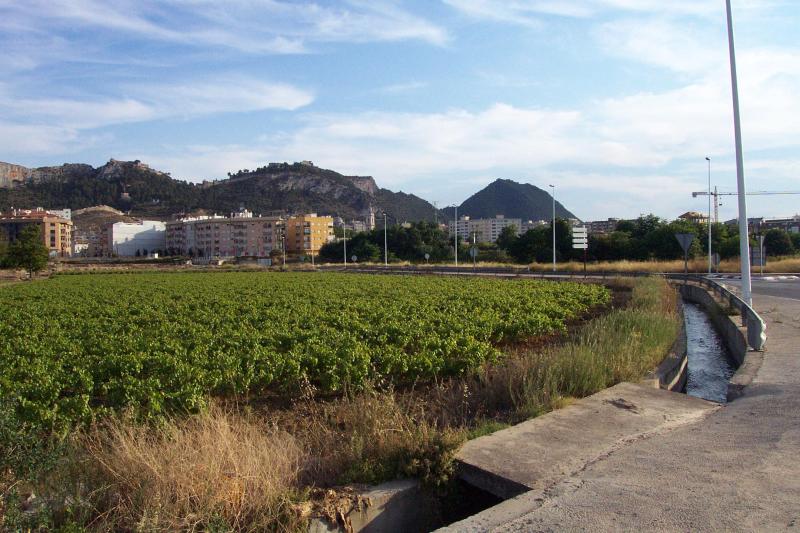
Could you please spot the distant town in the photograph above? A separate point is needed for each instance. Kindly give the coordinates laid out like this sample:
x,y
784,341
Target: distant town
x,y
243,234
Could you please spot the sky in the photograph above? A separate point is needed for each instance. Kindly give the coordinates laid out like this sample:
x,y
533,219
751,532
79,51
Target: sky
x,y
615,102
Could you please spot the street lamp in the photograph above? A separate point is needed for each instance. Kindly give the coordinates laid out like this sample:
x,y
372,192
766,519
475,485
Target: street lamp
x,y
554,225
455,239
344,227
709,214
744,240
283,245
385,242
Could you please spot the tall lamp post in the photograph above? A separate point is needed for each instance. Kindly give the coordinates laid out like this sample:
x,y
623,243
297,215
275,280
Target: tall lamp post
x,y
385,242
554,225
344,226
709,214
744,238
455,239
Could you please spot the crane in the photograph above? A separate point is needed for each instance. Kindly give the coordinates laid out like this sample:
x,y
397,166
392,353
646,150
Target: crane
x,y
716,194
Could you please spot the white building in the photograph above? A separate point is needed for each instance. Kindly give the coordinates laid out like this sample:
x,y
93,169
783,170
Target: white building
x,y
528,225
484,229
125,239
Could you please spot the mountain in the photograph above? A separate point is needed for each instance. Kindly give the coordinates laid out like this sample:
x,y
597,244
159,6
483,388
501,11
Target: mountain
x,y
512,199
134,187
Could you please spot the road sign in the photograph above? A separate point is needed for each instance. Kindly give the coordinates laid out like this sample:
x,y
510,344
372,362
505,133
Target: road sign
x,y
427,256
757,258
473,252
685,240
580,238
354,259
715,259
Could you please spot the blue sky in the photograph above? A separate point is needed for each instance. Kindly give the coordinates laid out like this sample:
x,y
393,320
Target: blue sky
x,y
617,102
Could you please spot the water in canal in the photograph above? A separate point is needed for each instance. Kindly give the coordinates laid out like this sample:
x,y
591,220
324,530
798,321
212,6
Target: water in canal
x,y
710,366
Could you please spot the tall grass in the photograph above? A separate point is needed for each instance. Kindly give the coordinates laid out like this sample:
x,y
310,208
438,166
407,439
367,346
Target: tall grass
x,y
621,345
699,265
214,470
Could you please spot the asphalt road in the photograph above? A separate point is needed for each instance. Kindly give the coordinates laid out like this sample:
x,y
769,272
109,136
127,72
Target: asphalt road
x,y
789,288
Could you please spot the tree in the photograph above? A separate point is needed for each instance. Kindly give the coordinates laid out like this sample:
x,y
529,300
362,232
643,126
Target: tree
x,y
795,240
3,254
507,237
28,251
777,242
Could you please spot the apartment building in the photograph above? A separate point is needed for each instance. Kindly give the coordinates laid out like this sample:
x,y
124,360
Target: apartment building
x,y
305,234
56,231
131,239
484,229
240,235
528,225
596,227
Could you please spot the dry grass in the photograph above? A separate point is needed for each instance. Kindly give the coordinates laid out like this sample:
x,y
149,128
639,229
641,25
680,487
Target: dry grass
x,y
217,468
781,265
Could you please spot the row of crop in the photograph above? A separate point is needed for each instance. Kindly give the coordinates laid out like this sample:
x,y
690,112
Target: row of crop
x,y
72,347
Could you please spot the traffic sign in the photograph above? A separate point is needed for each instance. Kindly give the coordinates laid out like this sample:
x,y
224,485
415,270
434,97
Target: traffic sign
x,y
580,246
579,230
473,252
354,259
685,240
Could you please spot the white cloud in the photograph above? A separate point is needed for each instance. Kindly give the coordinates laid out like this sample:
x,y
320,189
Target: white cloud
x,y
531,12
154,102
266,26
680,47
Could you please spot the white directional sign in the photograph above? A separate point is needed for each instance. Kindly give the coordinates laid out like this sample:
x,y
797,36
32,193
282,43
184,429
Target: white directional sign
x,y
580,239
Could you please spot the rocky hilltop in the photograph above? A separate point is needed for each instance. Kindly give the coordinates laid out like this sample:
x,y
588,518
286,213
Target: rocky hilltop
x,y
139,190
134,187
514,200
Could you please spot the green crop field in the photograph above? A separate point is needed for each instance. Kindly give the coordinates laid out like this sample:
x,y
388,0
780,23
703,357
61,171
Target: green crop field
x,y
75,346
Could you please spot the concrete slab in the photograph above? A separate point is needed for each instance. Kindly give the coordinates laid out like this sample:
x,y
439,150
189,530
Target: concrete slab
x,y
536,454
736,470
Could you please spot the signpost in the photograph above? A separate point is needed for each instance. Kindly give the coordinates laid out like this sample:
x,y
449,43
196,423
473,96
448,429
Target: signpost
x,y
427,256
757,257
580,241
685,240
473,253
354,259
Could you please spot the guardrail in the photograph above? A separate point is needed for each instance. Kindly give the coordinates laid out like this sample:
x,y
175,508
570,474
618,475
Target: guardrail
x,y
756,327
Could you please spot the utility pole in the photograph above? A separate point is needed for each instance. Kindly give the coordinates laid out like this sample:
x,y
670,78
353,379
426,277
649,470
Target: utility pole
x,y
709,215
744,240
385,242
455,240
554,225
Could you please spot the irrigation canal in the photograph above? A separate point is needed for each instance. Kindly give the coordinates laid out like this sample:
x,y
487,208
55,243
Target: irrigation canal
x,y
709,366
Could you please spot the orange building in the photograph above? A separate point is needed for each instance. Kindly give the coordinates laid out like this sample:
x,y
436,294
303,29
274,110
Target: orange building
x,y
56,231
305,234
